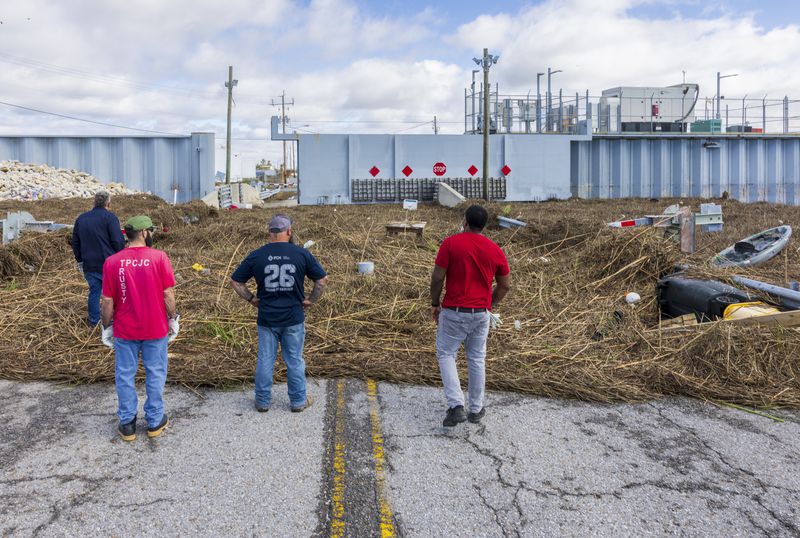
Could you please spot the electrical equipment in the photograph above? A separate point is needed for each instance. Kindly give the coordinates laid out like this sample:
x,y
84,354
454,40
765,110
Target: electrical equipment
x,y
649,109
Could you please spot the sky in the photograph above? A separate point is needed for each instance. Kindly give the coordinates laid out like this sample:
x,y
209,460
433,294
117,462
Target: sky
x,y
360,65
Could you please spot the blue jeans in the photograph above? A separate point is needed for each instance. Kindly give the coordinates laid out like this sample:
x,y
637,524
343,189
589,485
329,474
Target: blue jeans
x,y
95,281
291,340
154,359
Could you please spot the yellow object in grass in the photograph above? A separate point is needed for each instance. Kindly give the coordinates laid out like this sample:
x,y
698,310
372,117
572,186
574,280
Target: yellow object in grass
x,y
748,310
197,267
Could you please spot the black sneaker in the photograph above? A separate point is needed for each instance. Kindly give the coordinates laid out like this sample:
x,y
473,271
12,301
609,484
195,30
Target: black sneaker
x,y
158,430
128,431
476,417
262,408
454,416
301,408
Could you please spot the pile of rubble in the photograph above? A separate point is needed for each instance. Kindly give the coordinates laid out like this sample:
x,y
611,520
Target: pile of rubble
x,y
20,181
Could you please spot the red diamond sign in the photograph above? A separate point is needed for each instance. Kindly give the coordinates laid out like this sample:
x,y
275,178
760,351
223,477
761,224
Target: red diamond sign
x,y
407,171
374,171
506,170
472,170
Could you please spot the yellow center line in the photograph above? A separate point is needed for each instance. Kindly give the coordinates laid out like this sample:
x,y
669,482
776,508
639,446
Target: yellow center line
x,y
387,520
337,496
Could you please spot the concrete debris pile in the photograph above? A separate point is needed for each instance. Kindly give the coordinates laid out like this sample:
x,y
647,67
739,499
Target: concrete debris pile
x,y
20,181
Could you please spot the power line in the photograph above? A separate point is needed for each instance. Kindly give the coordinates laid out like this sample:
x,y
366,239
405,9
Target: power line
x,y
413,127
87,120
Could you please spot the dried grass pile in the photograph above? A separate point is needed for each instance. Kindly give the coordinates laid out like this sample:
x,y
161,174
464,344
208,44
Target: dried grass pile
x,y
577,339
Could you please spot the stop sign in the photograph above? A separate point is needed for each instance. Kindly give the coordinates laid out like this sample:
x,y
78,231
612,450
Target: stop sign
x,y
439,169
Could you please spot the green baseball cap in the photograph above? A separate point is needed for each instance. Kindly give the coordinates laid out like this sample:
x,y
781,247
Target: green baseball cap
x,y
139,223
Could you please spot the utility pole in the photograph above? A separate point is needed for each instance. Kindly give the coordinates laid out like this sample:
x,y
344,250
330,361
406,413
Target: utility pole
x,y
486,62
548,119
283,129
230,84
473,100
435,126
719,95
538,104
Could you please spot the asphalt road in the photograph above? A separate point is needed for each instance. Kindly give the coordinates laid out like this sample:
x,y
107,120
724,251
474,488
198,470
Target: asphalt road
x,y
374,460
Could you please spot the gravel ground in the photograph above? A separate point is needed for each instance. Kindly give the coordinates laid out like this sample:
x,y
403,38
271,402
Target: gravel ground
x,y
220,469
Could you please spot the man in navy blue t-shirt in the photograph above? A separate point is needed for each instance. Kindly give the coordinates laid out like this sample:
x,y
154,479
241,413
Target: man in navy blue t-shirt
x,y
280,268
96,236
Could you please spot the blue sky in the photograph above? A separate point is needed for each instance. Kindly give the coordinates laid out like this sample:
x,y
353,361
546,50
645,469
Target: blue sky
x,y
455,12
381,65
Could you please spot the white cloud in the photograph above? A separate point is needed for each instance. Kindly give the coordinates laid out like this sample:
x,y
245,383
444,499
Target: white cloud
x,y
601,45
339,63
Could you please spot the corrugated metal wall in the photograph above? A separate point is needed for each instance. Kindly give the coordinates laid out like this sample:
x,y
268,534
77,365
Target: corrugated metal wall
x,y
154,164
750,169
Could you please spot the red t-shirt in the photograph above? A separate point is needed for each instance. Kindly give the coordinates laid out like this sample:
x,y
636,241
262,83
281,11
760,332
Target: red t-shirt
x,y
135,278
472,261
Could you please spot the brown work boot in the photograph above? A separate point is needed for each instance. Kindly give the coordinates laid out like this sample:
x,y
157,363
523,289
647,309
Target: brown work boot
x,y
158,430
301,408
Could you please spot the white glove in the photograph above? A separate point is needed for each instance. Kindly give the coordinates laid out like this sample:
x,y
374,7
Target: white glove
x,y
107,336
80,266
174,327
494,320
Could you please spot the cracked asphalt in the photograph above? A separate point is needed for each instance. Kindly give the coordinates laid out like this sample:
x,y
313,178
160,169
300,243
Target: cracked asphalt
x,y
534,467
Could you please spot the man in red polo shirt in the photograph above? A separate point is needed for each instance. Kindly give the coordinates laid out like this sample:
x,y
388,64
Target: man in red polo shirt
x,y
139,298
468,262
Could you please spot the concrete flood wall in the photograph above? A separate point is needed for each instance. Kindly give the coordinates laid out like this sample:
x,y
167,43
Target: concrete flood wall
x,y
749,168
154,164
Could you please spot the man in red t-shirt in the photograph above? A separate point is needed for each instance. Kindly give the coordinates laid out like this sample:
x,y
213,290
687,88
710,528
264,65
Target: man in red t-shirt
x,y
139,299
468,262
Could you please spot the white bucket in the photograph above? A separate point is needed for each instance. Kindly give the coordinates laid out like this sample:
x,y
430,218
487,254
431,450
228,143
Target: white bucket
x,y
366,268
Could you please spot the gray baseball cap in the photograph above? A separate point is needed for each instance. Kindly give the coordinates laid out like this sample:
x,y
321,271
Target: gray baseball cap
x,y
279,223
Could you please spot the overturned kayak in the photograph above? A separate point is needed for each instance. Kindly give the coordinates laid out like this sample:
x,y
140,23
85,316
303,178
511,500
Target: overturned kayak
x,y
754,250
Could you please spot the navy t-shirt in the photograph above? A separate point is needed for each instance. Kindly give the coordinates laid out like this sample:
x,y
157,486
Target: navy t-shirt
x,y
280,270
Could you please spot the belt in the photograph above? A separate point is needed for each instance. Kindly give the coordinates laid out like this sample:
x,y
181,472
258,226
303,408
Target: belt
x,y
466,310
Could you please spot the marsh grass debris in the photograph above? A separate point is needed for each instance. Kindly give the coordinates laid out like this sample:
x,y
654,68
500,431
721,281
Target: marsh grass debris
x,y
380,328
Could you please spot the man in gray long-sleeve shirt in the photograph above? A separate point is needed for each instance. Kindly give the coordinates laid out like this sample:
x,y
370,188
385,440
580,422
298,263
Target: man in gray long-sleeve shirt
x,y
96,236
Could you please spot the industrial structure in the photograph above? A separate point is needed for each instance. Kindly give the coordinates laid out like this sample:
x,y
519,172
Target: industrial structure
x,y
630,141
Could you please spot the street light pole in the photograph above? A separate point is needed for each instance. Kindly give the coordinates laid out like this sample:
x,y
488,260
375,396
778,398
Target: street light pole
x,y
720,77
486,62
538,104
550,74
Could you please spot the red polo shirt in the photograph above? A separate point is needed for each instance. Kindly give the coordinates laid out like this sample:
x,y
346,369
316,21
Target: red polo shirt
x,y
472,261
135,278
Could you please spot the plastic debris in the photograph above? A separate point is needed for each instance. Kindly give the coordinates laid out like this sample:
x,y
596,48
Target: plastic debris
x,y
632,298
197,267
366,268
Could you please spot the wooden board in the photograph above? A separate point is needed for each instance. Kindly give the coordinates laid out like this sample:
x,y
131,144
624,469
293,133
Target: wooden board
x,y
781,319
406,227
685,320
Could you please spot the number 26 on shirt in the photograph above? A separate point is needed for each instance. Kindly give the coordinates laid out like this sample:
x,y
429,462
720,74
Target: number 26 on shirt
x,y
279,276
